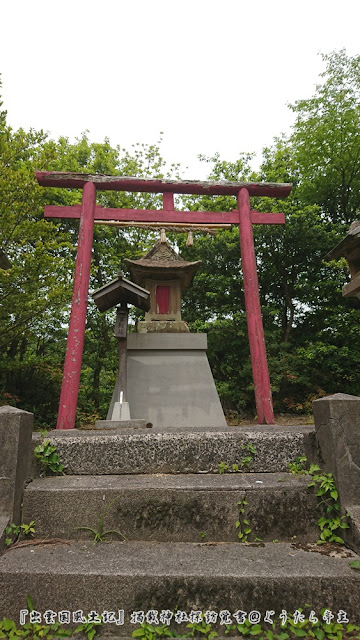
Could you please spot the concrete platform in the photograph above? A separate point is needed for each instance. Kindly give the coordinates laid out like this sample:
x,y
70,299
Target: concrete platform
x,y
136,576
181,508
165,450
169,381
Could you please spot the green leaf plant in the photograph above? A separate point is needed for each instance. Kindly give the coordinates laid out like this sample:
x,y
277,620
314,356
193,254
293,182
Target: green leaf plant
x,y
15,532
150,632
317,627
243,526
35,631
302,627
324,485
99,534
48,458
244,463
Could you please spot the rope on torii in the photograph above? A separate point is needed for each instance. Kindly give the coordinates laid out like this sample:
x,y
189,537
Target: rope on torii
x,y
172,227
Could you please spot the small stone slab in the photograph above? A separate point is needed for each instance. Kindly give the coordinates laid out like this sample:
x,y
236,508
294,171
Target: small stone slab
x,y
103,425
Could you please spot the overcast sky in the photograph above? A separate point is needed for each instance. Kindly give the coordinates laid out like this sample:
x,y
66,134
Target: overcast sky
x,y
213,76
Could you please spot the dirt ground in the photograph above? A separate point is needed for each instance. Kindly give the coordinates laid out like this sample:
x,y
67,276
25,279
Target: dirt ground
x,y
281,419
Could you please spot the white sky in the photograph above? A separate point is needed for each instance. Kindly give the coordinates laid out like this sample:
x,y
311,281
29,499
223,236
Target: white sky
x,y
213,76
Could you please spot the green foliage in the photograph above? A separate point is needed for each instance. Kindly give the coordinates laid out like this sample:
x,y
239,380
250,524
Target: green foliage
x,y
201,630
33,631
149,632
298,467
332,522
223,467
88,629
99,533
16,532
280,629
48,458
326,139
243,525
244,463
355,564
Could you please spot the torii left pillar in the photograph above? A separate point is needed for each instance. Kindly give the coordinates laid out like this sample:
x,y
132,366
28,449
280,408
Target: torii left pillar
x,y
75,341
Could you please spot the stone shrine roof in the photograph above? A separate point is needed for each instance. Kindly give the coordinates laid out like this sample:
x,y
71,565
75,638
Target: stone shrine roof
x,y
164,263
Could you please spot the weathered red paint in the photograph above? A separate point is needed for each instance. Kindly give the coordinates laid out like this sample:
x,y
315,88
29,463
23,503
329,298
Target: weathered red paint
x,y
168,201
75,340
72,180
165,215
259,365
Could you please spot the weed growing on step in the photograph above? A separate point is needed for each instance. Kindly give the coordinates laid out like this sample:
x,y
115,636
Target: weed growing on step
x,y
48,458
316,628
301,628
243,526
298,467
244,464
324,483
15,532
34,631
99,533
201,630
149,632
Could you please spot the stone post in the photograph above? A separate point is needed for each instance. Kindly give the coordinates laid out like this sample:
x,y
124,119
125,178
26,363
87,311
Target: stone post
x,y
16,451
337,425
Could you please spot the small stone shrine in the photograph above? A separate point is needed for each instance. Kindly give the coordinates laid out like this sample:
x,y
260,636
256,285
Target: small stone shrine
x,y
164,274
169,380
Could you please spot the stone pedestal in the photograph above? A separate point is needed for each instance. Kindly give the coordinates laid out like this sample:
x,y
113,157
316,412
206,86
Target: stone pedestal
x,y
337,424
170,382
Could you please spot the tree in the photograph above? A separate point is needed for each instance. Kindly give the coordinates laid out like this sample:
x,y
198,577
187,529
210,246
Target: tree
x,y
35,293
326,140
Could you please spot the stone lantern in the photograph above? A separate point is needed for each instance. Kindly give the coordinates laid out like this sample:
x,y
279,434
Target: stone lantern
x,y
165,275
169,380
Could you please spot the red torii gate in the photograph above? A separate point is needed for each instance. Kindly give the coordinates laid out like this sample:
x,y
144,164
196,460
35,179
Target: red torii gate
x,y
88,211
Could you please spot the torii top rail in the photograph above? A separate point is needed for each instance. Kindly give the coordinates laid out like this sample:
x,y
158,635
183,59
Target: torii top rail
x,y
88,211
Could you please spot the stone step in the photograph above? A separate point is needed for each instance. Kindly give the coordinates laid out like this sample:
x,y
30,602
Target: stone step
x,y
160,450
144,576
180,508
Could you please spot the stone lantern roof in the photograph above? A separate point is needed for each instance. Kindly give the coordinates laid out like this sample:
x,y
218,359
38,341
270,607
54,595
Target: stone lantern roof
x,y
163,261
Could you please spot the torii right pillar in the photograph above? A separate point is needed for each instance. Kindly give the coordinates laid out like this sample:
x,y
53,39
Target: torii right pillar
x,y
262,388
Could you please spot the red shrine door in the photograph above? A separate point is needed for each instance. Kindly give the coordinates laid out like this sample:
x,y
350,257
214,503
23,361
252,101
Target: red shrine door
x,y
162,298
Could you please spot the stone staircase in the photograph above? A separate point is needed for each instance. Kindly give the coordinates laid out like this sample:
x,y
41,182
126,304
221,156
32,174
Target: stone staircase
x,y
161,489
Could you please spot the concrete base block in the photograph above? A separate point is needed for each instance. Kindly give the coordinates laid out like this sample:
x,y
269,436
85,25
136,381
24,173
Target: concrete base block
x,y
120,424
170,381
